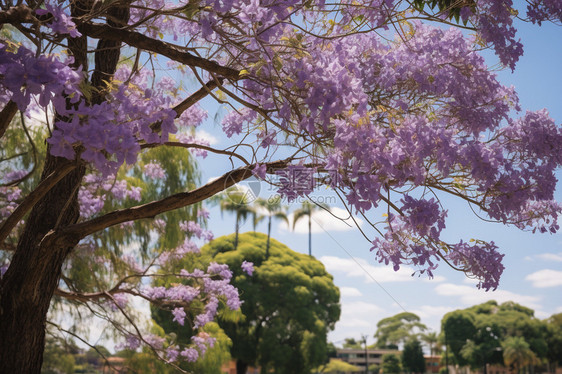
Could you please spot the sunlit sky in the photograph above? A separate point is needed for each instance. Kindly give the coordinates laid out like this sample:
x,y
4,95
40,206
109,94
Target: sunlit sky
x,y
370,291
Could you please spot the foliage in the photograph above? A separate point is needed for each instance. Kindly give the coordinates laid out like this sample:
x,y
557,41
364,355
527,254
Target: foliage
x,y
397,329
338,366
290,304
307,209
477,335
554,338
352,343
412,357
517,353
317,94
432,340
57,359
391,364
274,209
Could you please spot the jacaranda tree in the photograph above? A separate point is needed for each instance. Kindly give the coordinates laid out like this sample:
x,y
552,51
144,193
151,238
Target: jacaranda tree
x,y
371,98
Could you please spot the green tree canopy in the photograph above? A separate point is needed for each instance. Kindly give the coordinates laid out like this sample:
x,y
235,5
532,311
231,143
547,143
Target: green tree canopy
x,y
391,364
412,357
290,304
398,329
517,353
351,343
475,334
554,338
338,366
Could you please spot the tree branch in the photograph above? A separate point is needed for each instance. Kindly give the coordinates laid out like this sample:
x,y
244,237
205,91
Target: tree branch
x,y
37,194
17,14
174,52
196,96
6,116
198,146
74,233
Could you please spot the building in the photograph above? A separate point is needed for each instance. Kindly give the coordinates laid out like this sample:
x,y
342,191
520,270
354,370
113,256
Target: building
x,y
357,356
432,364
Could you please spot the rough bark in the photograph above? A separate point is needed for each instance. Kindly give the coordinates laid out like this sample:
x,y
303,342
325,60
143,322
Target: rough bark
x,y
35,269
28,285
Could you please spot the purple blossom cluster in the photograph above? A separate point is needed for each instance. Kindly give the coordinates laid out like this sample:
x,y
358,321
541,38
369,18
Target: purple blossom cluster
x,y
109,133
25,76
93,193
416,113
194,229
539,11
247,267
61,23
296,181
200,343
9,199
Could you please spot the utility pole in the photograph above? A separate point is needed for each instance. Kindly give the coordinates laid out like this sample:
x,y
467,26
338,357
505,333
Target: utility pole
x,y
364,340
446,351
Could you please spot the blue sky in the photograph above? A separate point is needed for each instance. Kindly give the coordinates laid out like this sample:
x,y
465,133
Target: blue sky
x,y
370,291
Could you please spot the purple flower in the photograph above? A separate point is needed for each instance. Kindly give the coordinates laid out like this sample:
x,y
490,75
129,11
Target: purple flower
x,y
190,354
248,267
179,315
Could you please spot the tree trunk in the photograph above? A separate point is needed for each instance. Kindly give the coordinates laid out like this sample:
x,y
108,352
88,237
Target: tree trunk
x,y
33,275
241,367
310,234
236,230
268,237
35,269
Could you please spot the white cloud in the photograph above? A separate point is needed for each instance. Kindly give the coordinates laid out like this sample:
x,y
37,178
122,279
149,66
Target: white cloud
x,y
431,311
357,318
545,278
471,295
550,257
360,268
558,310
204,135
323,221
350,292
541,315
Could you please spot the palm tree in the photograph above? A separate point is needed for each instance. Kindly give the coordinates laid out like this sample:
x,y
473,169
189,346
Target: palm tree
x,y
236,201
517,352
274,210
306,210
431,339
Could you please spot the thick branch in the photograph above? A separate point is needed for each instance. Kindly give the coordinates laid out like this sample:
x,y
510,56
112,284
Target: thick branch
x,y
37,194
6,116
198,146
138,40
18,14
196,96
78,231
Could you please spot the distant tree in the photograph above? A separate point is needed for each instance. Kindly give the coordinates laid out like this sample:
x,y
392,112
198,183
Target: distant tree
x,y
391,364
474,334
554,338
412,357
398,329
351,343
336,366
517,353
432,340
274,209
57,359
457,327
236,201
290,304
306,210
94,356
